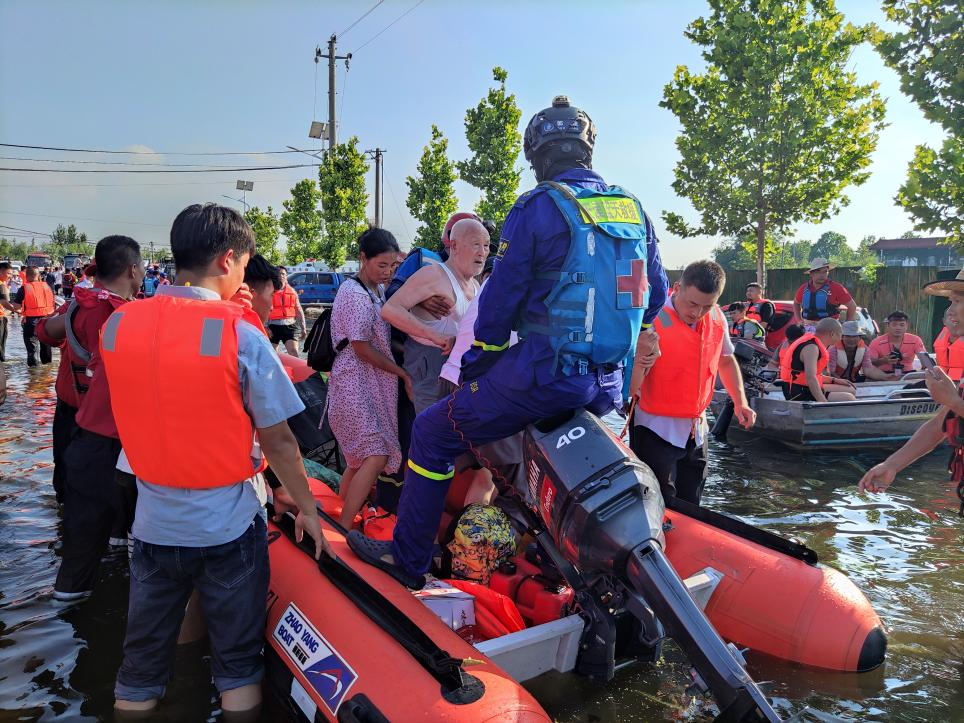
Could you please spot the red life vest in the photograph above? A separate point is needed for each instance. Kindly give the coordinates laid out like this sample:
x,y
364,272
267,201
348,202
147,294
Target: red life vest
x,y
791,375
284,304
185,351
843,366
680,383
950,355
753,309
38,299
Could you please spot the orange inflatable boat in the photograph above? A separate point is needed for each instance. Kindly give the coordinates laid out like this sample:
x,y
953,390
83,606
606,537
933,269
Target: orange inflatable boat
x,y
609,576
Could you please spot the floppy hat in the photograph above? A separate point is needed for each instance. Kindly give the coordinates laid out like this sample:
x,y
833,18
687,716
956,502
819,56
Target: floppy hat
x,y
851,328
946,287
819,263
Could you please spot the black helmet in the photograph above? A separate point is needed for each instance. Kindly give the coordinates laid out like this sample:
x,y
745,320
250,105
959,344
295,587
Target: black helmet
x,y
559,123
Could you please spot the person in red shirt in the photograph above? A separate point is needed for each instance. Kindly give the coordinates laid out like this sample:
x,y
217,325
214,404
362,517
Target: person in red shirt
x,y
820,297
893,354
93,499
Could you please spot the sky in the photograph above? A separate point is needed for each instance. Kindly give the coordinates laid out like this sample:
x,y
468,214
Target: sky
x,y
239,76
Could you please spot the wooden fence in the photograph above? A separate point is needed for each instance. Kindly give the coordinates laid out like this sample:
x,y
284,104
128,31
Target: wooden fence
x,y
895,287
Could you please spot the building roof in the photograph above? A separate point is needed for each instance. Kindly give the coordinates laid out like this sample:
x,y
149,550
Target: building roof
x,y
906,244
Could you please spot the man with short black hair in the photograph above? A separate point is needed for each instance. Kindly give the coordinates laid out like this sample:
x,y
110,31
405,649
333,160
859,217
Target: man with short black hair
x,y
222,397
893,354
758,308
742,326
34,301
669,431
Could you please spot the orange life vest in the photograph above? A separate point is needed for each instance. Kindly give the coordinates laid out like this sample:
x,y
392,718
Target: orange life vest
x,y
680,383
950,355
799,376
185,353
38,299
495,614
753,309
284,304
843,367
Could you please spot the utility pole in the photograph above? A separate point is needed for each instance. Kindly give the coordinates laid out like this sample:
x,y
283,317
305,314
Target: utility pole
x,y
332,57
377,154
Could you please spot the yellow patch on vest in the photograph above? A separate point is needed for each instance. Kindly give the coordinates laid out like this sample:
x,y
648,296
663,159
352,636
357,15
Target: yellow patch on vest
x,y
600,209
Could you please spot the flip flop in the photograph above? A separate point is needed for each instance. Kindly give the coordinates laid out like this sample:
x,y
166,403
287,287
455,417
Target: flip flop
x,y
372,551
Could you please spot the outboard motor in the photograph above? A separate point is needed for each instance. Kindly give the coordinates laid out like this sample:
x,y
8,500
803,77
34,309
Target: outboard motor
x,y
753,357
604,510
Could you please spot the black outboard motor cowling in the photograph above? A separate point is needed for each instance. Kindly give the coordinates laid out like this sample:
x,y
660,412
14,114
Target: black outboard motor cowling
x,y
603,510
596,499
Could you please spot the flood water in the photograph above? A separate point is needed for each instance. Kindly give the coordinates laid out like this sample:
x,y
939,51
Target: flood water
x,y
904,550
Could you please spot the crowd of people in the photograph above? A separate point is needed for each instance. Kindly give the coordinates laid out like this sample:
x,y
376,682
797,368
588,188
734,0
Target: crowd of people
x,y
440,361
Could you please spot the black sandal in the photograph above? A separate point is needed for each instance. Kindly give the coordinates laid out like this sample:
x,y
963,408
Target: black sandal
x,y
371,551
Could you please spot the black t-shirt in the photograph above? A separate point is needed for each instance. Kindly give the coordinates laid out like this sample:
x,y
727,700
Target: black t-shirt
x,y
19,296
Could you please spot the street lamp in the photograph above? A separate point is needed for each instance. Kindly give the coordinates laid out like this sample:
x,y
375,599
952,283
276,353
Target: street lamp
x,y
237,200
318,130
244,187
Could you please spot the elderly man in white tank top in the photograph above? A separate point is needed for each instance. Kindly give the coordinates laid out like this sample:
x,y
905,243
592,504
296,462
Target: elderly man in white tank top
x,y
429,339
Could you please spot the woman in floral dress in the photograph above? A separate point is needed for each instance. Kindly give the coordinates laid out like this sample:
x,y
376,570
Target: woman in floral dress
x,y
363,387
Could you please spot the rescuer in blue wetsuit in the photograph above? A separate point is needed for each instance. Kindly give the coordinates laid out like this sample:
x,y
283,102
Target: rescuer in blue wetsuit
x,y
578,275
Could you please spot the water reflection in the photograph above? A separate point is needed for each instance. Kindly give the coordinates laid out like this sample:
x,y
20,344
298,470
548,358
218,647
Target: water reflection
x,y
904,549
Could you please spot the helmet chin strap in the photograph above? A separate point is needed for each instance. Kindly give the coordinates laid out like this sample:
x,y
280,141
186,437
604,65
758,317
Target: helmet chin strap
x,y
549,166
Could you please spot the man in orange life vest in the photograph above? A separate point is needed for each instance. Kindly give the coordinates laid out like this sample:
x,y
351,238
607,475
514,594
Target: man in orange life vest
x,y
893,354
94,502
803,363
286,316
847,355
949,347
946,425
758,308
669,430
200,519
35,300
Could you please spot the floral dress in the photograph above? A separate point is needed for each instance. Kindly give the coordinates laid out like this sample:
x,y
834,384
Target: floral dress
x,y
362,400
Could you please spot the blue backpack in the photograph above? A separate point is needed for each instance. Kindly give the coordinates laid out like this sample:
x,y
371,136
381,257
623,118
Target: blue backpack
x,y
416,259
595,310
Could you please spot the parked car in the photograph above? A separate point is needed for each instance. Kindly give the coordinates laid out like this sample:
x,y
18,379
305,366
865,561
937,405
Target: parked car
x,y
315,287
783,313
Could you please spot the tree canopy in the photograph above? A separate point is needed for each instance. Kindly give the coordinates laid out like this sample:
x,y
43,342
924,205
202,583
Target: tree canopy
x,y
431,193
927,54
267,228
301,222
776,127
492,132
344,201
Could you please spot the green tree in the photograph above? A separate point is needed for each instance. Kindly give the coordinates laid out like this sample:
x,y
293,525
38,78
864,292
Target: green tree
x,y
341,178
431,194
776,127
796,254
267,228
740,252
830,245
927,54
13,250
67,240
301,222
492,131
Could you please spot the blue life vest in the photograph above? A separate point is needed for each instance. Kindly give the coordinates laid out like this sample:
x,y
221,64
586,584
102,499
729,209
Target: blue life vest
x,y
416,259
595,310
150,285
816,305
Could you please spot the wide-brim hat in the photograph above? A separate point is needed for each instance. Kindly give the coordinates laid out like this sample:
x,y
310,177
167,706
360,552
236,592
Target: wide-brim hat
x,y
946,287
819,263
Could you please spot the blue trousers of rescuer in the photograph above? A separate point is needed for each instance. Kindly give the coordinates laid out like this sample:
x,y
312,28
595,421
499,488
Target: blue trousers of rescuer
x,y
481,411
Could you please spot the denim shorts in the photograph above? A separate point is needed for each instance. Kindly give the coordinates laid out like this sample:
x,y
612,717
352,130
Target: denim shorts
x,y
232,583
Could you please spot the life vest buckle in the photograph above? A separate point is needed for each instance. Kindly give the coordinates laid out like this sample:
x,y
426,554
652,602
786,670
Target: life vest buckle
x,y
577,336
579,277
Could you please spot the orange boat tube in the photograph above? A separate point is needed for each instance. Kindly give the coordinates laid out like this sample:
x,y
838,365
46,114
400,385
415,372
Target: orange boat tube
x,y
773,602
334,653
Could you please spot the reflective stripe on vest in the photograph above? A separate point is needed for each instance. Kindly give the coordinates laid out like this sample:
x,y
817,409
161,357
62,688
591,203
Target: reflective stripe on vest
x,y
185,352
815,305
38,299
950,355
799,376
680,383
284,304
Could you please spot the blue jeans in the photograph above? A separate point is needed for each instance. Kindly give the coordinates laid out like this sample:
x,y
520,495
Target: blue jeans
x,y
232,583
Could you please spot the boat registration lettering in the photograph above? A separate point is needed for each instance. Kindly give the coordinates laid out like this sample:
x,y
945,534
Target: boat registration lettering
x,y
919,408
321,665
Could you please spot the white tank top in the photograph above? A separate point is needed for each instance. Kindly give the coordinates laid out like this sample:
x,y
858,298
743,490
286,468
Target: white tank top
x,y
448,325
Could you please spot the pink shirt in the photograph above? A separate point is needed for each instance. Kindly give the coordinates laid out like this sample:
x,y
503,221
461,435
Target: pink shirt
x,y
882,346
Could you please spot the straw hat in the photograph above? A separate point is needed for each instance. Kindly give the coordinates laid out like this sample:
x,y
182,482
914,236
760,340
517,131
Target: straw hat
x,y
946,288
819,263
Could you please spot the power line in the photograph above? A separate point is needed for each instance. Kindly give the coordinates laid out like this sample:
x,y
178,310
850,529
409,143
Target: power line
x,y
41,186
120,163
232,169
369,12
375,36
23,230
81,218
145,153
